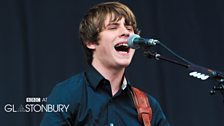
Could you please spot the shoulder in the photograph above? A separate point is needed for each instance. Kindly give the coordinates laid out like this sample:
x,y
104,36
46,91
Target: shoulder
x,y
154,104
152,101
65,91
71,83
158,117
65,96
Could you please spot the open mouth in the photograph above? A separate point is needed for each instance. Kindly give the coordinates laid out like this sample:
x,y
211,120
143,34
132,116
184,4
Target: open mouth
x,y
122,47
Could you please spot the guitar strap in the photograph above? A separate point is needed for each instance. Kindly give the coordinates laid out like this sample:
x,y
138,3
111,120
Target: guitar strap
x,y
142,105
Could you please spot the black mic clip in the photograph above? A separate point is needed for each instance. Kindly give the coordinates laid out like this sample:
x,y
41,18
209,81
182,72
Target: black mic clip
x,y
219,87
205,73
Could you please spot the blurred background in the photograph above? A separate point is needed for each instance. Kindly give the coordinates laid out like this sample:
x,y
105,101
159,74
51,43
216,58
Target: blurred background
x,y
40,46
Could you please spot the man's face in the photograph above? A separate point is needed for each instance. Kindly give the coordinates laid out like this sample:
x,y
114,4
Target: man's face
x,y
112,50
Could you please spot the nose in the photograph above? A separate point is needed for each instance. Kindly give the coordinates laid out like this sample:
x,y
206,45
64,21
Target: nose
x,y
125,32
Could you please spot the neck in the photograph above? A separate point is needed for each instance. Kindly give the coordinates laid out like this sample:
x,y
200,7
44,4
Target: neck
x,y
113,75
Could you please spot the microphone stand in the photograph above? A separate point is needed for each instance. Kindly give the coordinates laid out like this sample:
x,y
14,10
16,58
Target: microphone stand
x,y
198,71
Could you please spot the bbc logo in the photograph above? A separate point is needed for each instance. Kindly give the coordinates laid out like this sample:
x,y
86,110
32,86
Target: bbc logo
x,y
33,99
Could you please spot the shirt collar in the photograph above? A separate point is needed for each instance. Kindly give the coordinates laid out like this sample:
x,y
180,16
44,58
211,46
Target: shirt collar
x,y
124,84
94,78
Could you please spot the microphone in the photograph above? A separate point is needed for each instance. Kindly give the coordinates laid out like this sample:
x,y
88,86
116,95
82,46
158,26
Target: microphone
x,y
135,42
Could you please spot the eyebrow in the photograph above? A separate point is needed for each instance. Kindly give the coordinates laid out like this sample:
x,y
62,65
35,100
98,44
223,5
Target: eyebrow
x,y
113,23
116,23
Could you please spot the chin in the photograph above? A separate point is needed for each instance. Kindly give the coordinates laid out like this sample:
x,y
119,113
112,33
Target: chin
x,y
125,64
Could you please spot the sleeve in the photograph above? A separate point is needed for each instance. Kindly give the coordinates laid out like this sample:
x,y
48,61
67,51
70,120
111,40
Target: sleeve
x,y
158,116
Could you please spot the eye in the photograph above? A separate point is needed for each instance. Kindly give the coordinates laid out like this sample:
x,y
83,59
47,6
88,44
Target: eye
x,y
129,28
112,26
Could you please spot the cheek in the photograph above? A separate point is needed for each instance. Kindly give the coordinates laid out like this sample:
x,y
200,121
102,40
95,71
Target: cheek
x,y
105,50
132,51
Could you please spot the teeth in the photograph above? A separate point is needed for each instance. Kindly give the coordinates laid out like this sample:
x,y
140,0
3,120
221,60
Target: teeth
x,y
121,44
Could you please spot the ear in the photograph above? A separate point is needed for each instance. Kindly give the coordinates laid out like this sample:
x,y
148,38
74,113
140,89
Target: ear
x,y
90,45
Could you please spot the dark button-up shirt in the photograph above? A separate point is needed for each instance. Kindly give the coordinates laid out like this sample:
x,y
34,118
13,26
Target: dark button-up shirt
x,y
91,103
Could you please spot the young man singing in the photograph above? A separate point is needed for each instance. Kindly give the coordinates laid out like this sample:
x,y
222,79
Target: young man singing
x,y
102,96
